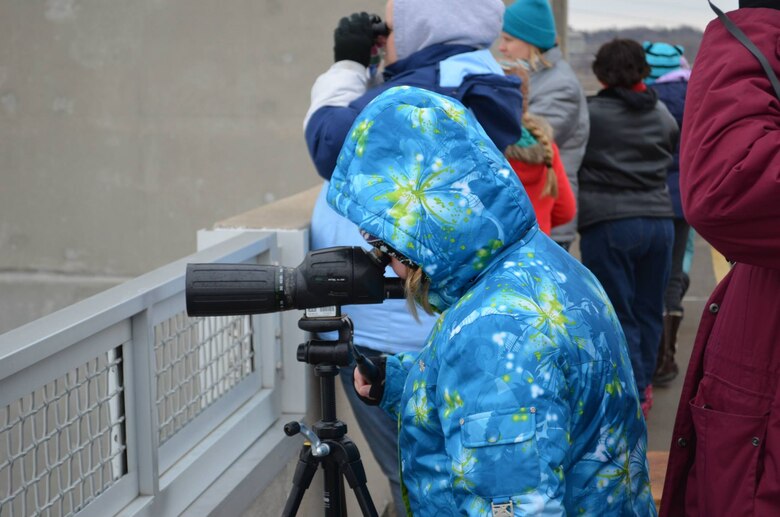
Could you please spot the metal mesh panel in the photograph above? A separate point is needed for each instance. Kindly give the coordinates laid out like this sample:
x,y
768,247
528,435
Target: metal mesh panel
x,y
198,361
63,444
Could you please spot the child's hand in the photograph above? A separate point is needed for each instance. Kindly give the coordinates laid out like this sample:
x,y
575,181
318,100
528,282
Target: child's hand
x,y
371,392
362,385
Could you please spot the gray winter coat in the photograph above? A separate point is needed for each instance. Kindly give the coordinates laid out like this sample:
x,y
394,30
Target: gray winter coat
x,y
556,94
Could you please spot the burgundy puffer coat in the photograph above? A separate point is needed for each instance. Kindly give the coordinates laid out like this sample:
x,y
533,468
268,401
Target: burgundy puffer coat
x,y
725,451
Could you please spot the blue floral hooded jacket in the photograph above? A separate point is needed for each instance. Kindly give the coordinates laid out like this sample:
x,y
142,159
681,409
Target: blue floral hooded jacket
x,y
523,399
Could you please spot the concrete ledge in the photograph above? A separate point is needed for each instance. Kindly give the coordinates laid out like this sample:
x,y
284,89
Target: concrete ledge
x,y
658,461
290,213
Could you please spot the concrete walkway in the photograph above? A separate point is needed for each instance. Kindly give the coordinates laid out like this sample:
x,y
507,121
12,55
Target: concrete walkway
x,y
707,269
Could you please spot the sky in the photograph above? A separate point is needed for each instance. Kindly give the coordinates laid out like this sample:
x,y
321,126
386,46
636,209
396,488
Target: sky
x,y
600,14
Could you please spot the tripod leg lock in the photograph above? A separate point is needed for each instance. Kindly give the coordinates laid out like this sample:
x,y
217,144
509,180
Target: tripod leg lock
x,y
318,448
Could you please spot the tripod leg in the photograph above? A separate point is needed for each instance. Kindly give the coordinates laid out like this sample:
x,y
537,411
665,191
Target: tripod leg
x,y
353,470
304,473
333,495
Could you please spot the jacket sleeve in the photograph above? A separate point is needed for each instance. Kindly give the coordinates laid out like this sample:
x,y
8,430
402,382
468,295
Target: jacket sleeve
x,y
565,206
396,370
505,429
330,116
730,148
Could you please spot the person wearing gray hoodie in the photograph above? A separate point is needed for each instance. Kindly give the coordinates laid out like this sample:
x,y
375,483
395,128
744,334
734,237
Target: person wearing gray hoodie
x,y
438,45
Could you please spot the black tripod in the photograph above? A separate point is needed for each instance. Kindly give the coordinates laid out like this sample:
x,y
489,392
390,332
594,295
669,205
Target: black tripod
x,y
328,444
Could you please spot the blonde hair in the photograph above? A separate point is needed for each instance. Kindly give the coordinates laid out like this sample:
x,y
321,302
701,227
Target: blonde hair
x,y
416,287
537,60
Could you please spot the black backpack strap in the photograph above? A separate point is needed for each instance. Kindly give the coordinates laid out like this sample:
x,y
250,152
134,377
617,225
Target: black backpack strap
x,y
737,33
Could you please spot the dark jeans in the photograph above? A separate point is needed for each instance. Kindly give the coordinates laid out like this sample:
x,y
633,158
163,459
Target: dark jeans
x,y
632,259
675,289
380,430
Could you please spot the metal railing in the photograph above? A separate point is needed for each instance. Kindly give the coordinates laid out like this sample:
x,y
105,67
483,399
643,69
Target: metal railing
x,y
114,401
198,360
63,444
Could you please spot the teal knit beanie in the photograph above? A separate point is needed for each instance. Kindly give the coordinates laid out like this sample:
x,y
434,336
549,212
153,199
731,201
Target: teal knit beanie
x,y
531,21
662,58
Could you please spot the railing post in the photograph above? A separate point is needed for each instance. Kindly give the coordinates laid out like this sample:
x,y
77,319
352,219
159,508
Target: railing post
x,y
143,390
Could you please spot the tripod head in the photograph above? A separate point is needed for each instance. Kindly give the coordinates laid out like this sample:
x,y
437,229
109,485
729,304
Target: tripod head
x,y
337,353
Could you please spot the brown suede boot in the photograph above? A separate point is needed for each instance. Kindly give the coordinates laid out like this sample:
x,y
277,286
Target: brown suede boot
x,y
666,368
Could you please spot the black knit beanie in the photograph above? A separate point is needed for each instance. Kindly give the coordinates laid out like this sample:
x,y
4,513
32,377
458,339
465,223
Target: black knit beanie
x,y
769,4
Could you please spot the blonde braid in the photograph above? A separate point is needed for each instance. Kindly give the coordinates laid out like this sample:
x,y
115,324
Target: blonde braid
x,y
541,130
513,152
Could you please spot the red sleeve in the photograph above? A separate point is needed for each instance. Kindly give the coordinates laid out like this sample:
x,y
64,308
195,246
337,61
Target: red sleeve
x,y
565,206
730,147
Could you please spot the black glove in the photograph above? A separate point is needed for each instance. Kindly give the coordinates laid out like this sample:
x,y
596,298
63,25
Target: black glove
x,y
377,390
353,39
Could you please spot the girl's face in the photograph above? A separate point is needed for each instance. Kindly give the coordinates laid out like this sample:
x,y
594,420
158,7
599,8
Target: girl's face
x,y
401,269
391,56
513,48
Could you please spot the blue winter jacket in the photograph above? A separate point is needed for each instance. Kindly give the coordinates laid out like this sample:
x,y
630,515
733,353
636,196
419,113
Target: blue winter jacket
x,y
442,68
522,399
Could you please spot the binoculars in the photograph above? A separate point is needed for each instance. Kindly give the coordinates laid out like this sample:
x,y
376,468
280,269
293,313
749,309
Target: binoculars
x,y
378,27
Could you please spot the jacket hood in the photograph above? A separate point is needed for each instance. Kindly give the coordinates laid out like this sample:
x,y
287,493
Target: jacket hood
x,y
418,25
636,101
419,172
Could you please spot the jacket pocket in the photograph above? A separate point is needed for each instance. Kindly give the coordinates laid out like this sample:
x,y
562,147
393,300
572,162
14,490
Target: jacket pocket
x,y
499,455
729,449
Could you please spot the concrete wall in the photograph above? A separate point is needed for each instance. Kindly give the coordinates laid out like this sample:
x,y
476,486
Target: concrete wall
x,y
127,126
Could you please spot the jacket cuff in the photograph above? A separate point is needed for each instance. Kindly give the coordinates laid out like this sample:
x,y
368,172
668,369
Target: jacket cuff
x,y
395,377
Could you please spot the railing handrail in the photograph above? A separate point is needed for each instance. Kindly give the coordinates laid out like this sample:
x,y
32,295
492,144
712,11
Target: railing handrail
x,y
46,336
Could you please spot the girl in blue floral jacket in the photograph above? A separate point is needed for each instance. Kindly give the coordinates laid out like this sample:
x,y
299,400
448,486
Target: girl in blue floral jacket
x,y
522,401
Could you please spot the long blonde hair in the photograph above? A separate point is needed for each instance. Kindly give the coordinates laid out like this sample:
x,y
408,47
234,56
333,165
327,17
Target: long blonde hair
x,y
416,287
